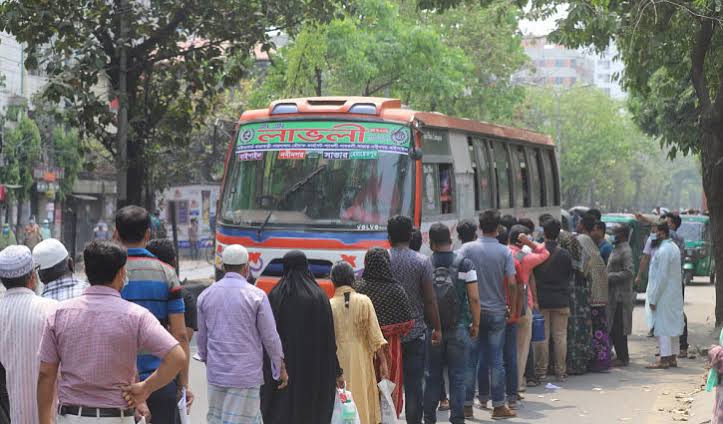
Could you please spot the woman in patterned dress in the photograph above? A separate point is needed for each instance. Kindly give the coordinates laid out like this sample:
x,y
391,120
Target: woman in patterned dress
x,y
579,326
393,312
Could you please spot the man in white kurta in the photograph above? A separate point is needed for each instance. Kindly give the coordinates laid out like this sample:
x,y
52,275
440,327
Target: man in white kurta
x,y
664,304
23,315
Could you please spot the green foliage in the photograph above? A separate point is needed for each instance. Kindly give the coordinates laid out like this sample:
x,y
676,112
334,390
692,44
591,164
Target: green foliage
x,y
67,154
605,159
180,55
22,151
371,51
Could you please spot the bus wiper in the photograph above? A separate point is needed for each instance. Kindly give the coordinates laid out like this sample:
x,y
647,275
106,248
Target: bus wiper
x,y
291,190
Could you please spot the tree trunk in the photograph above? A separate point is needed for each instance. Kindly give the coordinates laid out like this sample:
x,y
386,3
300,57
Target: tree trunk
x,y
711,154
135,176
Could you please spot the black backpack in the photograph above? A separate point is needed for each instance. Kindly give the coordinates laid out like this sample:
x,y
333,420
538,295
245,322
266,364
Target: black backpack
x,y
444,281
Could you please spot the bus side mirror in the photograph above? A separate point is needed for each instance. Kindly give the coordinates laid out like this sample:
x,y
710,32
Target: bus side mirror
x,y
415,154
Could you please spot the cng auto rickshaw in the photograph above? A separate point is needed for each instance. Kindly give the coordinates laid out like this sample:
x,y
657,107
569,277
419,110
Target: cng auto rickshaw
x,y
698,258
639,232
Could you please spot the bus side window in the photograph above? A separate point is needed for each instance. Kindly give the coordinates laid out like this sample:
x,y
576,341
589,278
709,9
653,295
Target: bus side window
x,y
446,188
430,200
439,189
537,178
551,186
483,177
522,176
502,175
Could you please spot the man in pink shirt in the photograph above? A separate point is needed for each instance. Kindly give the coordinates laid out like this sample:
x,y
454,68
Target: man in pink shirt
x,y
93,340
525,263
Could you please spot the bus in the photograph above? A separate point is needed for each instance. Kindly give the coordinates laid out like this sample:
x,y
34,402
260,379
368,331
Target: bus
x,y
323,175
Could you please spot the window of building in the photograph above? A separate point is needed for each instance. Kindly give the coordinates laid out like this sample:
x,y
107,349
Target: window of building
x,y
502,174
558,80
573,80
559,63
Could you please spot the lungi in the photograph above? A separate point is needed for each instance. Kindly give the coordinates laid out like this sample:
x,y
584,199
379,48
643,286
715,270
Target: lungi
x,y
233,406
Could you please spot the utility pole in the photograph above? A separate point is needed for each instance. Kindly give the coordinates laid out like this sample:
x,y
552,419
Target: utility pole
x,y
122,134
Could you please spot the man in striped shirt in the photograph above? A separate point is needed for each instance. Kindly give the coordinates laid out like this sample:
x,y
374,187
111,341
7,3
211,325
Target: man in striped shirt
x,y
55,269
23,315
155,286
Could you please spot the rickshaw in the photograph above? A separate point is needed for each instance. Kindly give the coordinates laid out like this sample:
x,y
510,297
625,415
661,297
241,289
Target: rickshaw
x,y
639,232
699,260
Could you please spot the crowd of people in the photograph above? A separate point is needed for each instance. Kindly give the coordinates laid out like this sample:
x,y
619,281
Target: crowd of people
x,y
116,348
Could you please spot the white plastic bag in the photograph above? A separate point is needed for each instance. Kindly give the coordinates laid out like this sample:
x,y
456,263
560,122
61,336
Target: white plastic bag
x,y
389,412
344,409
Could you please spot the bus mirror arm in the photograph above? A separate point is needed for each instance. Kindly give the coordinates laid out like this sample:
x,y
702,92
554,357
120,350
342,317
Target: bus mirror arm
x,y
415,153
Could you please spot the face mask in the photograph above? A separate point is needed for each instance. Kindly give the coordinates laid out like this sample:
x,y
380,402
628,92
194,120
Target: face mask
x,y
125,280
614,239
654,236
6,230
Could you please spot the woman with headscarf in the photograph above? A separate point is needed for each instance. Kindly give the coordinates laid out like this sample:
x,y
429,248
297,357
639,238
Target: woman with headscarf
x,y
305,324
358,340
393,313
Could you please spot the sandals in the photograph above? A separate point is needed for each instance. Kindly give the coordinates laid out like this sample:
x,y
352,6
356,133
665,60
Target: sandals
x,y
660,365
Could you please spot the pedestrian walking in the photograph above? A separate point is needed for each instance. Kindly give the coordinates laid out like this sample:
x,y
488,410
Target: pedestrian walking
x,y
526,262
554,278
55,269
7,237
359,341
456,276
89,349
595,271
393,310
620,306
32,235
236,326
306,327
414,272
193,238
494,265
155,286
23,315
674,221
664,305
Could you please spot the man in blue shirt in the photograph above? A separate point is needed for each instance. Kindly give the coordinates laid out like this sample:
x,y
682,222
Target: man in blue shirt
x,y
494,265
155,286
598,235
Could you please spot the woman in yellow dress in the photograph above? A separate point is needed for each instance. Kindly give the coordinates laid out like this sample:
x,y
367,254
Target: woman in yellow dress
x,y
359,340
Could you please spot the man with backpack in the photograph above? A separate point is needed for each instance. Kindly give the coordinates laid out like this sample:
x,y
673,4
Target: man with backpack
x,y
455,284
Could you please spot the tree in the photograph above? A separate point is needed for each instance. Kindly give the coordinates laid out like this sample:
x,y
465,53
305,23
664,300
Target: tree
x,y
21,152
489,37
159,62
369,50
673,56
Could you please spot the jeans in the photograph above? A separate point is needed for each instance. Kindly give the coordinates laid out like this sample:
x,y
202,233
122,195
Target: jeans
x,y
163,406
413,364
509,353
491,343
470,378
452,352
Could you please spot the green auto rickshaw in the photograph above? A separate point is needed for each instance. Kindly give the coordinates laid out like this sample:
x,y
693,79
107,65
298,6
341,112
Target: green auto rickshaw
x,y
639,233
699,260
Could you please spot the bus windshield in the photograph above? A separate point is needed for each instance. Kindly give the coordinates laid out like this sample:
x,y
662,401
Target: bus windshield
x,y
320,174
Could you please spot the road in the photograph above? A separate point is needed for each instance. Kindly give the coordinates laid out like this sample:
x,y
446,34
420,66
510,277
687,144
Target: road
x,y
631,394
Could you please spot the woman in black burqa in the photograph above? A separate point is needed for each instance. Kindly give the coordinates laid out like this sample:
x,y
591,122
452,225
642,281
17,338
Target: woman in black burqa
x,y
306,327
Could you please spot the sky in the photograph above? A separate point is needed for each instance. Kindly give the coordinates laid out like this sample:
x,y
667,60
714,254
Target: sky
x,y
542,27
